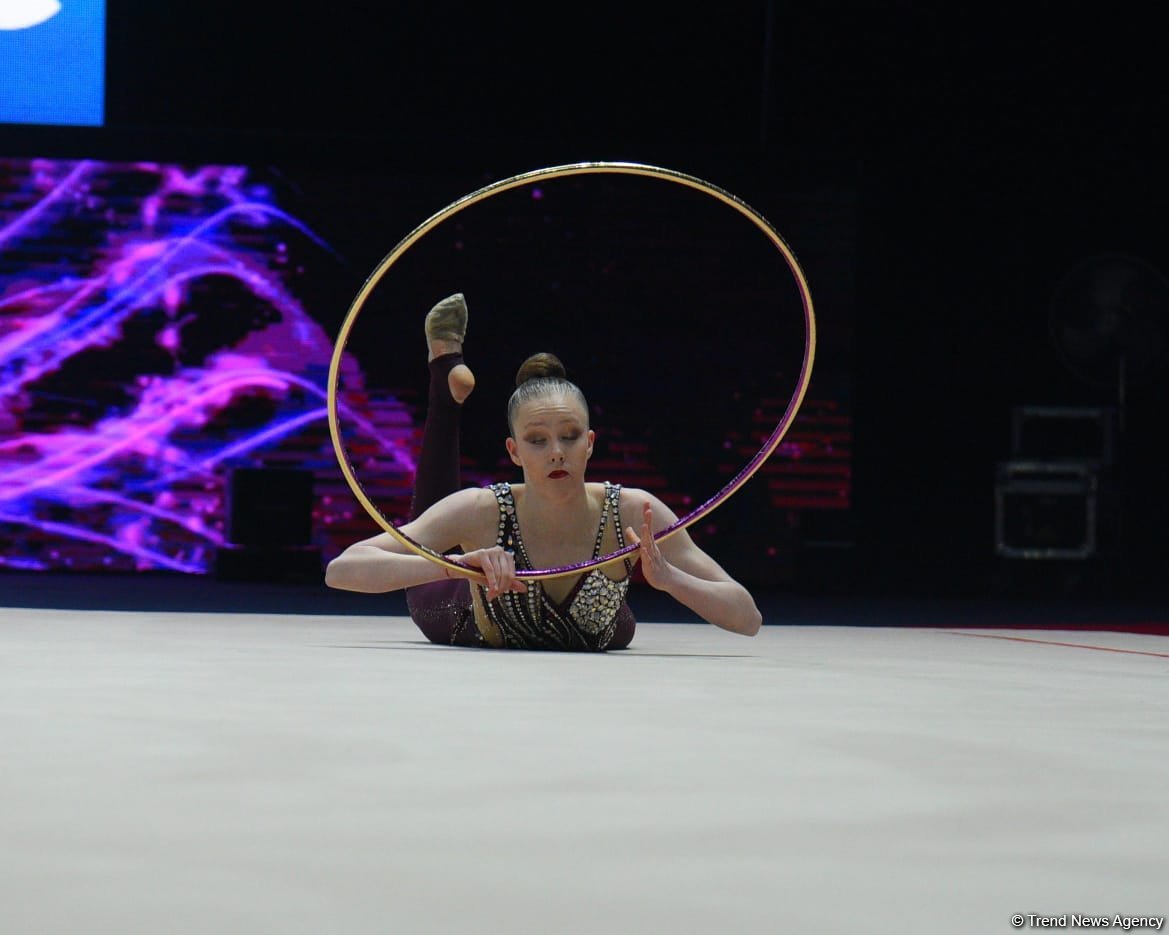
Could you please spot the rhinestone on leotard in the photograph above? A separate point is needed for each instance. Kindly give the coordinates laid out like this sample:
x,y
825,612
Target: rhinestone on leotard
x,y
532,620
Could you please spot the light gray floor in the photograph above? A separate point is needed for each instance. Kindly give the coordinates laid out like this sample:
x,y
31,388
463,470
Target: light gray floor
x,y
167,773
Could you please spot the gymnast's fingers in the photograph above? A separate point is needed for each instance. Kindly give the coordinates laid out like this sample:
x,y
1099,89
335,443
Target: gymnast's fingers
x,y
647,535
492,577
508,580
499,569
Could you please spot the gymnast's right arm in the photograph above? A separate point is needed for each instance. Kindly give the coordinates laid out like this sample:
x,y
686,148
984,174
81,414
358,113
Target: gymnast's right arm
x,y
382,563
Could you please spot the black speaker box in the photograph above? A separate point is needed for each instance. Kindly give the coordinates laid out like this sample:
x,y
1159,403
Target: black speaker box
x,y
270,507
273,564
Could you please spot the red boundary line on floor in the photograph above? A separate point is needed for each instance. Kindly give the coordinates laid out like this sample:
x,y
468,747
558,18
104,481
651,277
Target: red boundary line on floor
x,y
1025,639
1150,627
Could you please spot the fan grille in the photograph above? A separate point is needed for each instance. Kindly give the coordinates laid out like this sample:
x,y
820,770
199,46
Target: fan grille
x,y
1108,319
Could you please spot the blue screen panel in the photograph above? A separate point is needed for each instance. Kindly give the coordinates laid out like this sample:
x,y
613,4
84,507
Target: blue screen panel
x,y
52,62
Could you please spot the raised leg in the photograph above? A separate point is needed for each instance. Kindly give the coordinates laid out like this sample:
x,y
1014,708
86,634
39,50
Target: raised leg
x,y
442,609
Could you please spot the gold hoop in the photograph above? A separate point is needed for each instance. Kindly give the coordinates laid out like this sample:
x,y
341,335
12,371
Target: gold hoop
x,y
516,181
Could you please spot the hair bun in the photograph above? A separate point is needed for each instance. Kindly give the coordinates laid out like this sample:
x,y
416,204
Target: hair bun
x,y
540,366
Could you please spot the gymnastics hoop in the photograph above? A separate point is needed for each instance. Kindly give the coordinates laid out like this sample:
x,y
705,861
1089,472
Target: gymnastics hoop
x,y
516,181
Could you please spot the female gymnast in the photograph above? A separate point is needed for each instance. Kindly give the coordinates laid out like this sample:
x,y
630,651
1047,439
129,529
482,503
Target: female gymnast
x,y
554,518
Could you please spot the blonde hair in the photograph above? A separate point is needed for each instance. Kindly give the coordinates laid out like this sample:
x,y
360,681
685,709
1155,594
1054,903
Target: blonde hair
x,y
541,375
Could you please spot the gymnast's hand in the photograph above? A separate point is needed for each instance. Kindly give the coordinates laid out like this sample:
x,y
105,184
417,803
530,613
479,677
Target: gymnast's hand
x,y
498,567
654,566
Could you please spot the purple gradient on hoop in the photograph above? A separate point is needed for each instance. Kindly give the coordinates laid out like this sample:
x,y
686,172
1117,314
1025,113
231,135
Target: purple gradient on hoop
x,y
554,172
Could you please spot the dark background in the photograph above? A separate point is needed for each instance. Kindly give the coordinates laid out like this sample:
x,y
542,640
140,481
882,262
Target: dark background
x,y
988,151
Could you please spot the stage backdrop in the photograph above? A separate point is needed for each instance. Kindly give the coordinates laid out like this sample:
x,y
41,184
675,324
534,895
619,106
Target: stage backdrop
x,y
163,325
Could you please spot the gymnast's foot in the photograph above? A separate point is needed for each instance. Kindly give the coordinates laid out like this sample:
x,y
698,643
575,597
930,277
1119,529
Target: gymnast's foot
x,y
446,329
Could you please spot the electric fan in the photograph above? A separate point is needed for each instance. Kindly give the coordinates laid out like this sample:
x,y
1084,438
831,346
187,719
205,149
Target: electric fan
x,y
1109,323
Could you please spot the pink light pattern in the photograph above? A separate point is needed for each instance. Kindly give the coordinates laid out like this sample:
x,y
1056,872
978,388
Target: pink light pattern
x,y
120,415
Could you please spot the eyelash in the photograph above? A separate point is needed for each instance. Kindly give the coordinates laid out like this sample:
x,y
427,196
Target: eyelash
x,y
564,438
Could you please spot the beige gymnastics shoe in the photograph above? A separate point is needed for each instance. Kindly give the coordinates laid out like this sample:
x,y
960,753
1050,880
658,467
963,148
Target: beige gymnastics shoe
x,y
446,328
447,321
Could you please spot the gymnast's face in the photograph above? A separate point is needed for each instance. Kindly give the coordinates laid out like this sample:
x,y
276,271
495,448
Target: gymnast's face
x,y
552,441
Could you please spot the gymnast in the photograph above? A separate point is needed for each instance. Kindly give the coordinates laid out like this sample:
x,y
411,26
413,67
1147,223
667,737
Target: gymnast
x,y
553,519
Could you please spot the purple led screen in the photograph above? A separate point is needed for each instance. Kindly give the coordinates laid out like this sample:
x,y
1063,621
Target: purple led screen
x,y
151,340
162,325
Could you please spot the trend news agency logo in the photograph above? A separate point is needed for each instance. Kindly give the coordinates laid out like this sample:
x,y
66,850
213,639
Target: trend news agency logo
x,y
24,14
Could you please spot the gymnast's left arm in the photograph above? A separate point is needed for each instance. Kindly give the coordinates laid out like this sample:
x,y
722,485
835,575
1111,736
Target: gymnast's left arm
x,y
685,572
